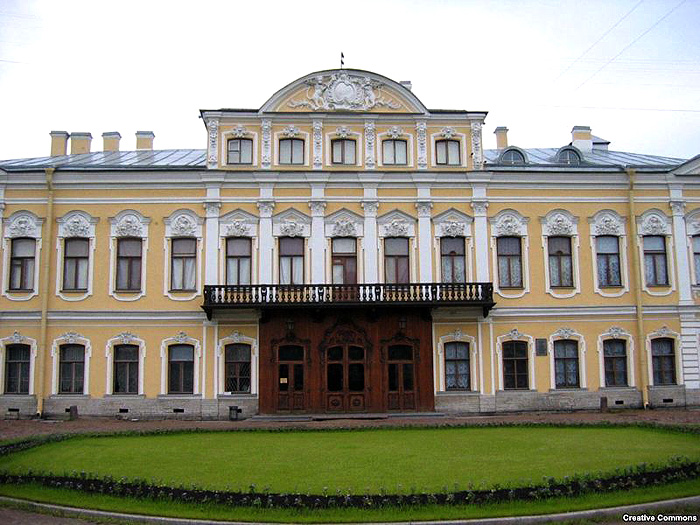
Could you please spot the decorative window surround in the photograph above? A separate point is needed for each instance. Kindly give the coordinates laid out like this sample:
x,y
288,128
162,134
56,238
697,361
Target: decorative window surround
x,y
220,363
75,224
14,339
561,223
70,338
509,223
290,132
692,222
568,333
21,224
128,223
343,132
664,332
125,338
238,132
345,223
180,339
457,337
454,223
182,223
398,224
448,133
515,335
395,132
238,223
616,332
291,223
656,222
370,145
603,223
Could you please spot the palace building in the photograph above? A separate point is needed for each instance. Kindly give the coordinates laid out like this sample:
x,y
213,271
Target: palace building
x,y
344,249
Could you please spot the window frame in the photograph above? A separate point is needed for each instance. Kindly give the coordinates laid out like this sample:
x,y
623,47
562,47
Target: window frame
x,y
567,155
695,253
524,346
292,161
506,159
130,259
566,384
182,370
131,364
344,142
448,160
236,365
238,258
664,358
509,258
240,141
344,260
18,363
397,259
555,263
76,265
469,387
451,258
73,390
293,260
656,255
22,261
607,256
614,359
190,256
393,142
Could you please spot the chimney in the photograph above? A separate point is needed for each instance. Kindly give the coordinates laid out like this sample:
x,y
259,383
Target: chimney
x,y
501,137
80,142
144,139
110,140
407,84
582,139
59,143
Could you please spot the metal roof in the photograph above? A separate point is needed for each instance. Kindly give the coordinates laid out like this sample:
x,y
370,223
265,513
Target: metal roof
x,y
596,158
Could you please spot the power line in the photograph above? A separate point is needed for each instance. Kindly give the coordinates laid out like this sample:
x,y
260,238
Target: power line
x,y
670,110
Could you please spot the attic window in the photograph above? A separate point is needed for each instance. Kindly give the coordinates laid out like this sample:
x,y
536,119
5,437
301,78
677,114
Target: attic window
x,y
569,156
512,156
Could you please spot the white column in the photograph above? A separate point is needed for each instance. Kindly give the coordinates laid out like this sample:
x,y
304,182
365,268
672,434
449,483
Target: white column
x,y
211,270
370,241
680,239
481,241
266,242
317,242
425,251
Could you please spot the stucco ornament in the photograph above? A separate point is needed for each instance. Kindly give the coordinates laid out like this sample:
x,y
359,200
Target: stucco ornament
x,y
480,207
370,207
448,132
266,157
342,132
212,155
343,91
126,338
509,225
654,225
181,337
344,228
184,225
317,208
694,227
266,208
370,130
238,229
564,333
515,334
559,224
396,228
477,151
76,226
421,135
458,334
23,225
318,144
664,331
129,226
17,338
290,131
616,332
71,337
239,131
236,336
424,208
453,229
395,132
608,225
291,229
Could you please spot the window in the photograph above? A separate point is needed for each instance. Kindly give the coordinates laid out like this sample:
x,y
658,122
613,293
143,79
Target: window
x,y
394,152
126,369
17,369
75,264
615,356
457,366
447,152
129,264
71,369
181,369
696,257
292,151
512,156
344,260
452,260
566,363
22,264
238,260
291,260
343,151
515,366
608,255
663,361
396,260
655,260
561,272
237,368
569,156
240,151
510,274
184,262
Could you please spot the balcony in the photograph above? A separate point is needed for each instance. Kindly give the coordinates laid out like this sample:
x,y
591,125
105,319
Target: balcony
x,y
274,296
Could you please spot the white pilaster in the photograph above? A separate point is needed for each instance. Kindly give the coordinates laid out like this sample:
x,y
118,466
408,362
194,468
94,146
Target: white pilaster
x,y
211,251
317,242
370,245
680,247
266,241
481,243
424,245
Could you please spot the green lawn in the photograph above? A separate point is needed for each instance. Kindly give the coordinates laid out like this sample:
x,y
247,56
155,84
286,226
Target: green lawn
x,y
391,460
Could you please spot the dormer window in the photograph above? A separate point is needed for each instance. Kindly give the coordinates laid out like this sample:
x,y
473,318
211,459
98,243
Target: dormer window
x,y
512,156
569,156
292,151
447,152
343,151
240,151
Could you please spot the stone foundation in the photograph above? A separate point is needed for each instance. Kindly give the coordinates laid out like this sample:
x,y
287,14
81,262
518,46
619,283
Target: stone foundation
x,y
667,396
17,406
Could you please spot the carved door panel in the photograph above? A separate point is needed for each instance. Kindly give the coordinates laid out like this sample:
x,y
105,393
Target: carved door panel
x,y
401,389
291,394
346,379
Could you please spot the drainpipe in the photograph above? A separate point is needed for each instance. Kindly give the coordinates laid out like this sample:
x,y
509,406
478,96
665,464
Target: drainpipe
x,y
44,294
636,282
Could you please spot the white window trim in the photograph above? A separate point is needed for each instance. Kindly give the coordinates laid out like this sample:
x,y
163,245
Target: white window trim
x,y
692,223
279,135
565,334
180,339
348,134
561,223
408,137
516,335
75,224
235,338
125,338
617,333
457,337
21,224
239,223
398,224
665,332
239,132
182,224
17,338
459,137
609,223
654,222
70,338
453,223
344,223
290,223
128,223
510,223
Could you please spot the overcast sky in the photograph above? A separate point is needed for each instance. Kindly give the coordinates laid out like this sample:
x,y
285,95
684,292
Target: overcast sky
x,y
630,69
